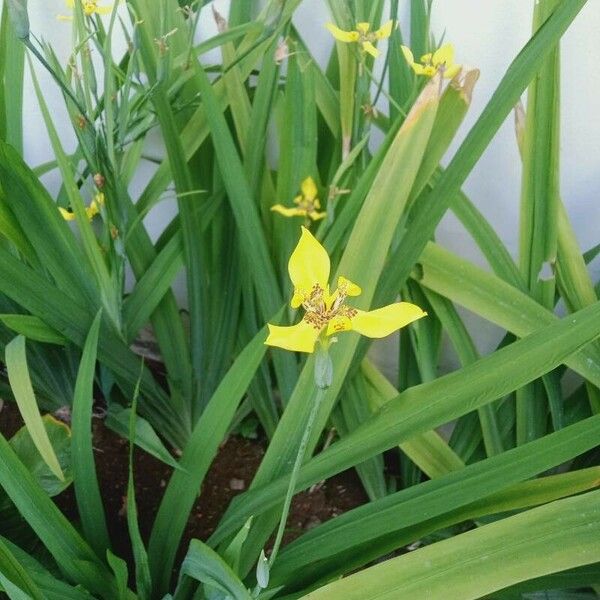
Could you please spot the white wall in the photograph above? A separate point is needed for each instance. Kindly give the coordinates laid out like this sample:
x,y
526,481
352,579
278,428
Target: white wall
x,y
487,34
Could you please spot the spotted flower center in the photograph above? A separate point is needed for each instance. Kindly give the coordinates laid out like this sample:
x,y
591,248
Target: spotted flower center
x,y
90,7
310,205
321,308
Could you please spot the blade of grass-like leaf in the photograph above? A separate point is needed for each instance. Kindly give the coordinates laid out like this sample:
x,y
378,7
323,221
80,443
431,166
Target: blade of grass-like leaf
x,y
539,206
429,405
353,411
52,588
142,571
488,487
117,419
205,565
488,296
85,480
197,455
539,192
33,328
497,555
467,353
15,573
15,358
348,74
428,451
72,554
46,230
152,287
12,59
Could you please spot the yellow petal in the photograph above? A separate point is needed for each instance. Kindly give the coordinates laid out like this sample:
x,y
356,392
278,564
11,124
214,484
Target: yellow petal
x,y
363,27
341,35
298,338
309,188
288,212
66,215
92,210
429,71
348,288
100,199
297,300
317,216
443,56
408,55
385,31
452,71
104,10
370,49
309,264
426,58
383,321
338,324
64,18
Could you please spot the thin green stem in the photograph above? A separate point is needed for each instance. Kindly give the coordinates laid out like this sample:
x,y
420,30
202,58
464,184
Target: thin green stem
x,y
294,476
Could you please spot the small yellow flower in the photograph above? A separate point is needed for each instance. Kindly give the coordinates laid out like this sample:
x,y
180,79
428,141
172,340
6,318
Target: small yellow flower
x,y
441,60
90,7
91,211
307,203
327,314
362,35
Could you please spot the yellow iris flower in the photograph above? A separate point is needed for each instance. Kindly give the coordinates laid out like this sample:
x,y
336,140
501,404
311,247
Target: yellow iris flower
x,y
307,203
91,211
441,60
90,7
327,314
362,35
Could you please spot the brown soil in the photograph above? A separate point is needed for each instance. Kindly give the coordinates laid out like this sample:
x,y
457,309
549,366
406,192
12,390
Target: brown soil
x,y
230,474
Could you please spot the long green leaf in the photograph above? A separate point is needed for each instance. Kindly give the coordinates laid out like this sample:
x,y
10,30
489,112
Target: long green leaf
x,y
205,565
496,556
18,376
87,490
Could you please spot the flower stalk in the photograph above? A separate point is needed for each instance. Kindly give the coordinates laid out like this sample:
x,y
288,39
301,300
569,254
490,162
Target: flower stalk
x,y
323,376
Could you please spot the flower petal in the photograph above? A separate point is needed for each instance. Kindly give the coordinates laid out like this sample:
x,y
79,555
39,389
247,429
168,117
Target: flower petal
x,y
317,216
341,35
339,324
370,49
309,188
426,58
408,55
298,338
452,72
363,27
104,10
443,56
347,287
66,214
385,30
309,264
383,321
288,212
